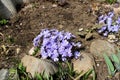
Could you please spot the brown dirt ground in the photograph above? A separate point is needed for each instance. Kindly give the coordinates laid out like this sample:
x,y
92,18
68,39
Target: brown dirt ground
x,y
21,29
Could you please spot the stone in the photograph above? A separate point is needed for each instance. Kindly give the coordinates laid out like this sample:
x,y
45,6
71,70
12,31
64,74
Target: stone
x,y
34,65
18,50
61,26
118,1
4,74
99,47
54,5
31,51
84,63
80,29
112,38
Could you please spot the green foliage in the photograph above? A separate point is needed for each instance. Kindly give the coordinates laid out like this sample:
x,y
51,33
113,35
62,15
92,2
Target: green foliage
x,y
113,63
42,77
87,74
116,60
23,75
36,51
111,1
13,74
65,71
111,69
10,39
3,22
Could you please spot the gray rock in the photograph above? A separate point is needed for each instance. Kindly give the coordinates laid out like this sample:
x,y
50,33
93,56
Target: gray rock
x,y
34,65
99,47
3,74
118,1
7,9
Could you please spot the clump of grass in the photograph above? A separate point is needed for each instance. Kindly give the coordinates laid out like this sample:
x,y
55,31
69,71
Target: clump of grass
x,y
65,72
3,21
23,75
116,60
111,1
113,63
111,69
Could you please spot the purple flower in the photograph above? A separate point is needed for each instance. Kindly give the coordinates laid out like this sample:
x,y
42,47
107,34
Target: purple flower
x,y
105,33
68,35
100,17
44,55
78,44
36,40
103,20
77,54
64,59
109,22
102,29
115,28
111,14
64,43
55,45
118,21
105,30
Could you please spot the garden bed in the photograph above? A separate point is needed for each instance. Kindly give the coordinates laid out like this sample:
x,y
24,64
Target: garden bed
x,y
17,35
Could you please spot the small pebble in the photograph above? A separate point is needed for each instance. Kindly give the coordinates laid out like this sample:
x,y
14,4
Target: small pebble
x,y
112,38
60,26
18,50
54,5
98,65
80,29
20,24
43,7
31,51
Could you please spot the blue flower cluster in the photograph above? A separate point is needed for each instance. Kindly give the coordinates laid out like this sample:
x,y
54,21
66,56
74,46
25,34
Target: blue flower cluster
x,y
56,45
110,24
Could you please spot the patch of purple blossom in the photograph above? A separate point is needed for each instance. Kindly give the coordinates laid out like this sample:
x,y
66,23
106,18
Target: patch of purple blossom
x,y
109,26
56,45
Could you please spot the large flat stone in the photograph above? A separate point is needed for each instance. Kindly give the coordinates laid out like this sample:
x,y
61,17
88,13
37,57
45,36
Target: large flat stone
x,y
99,47
84,63
34,65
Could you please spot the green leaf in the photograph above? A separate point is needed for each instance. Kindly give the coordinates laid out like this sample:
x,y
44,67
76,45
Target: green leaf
x,y
110,66
115,59
111,1
94,75
36,51
38,76
87,74
118,54
3,21
21,67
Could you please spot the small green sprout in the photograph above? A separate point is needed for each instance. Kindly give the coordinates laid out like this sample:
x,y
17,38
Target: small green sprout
x,y
3,21
116,61
36,50
111,1
111,69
